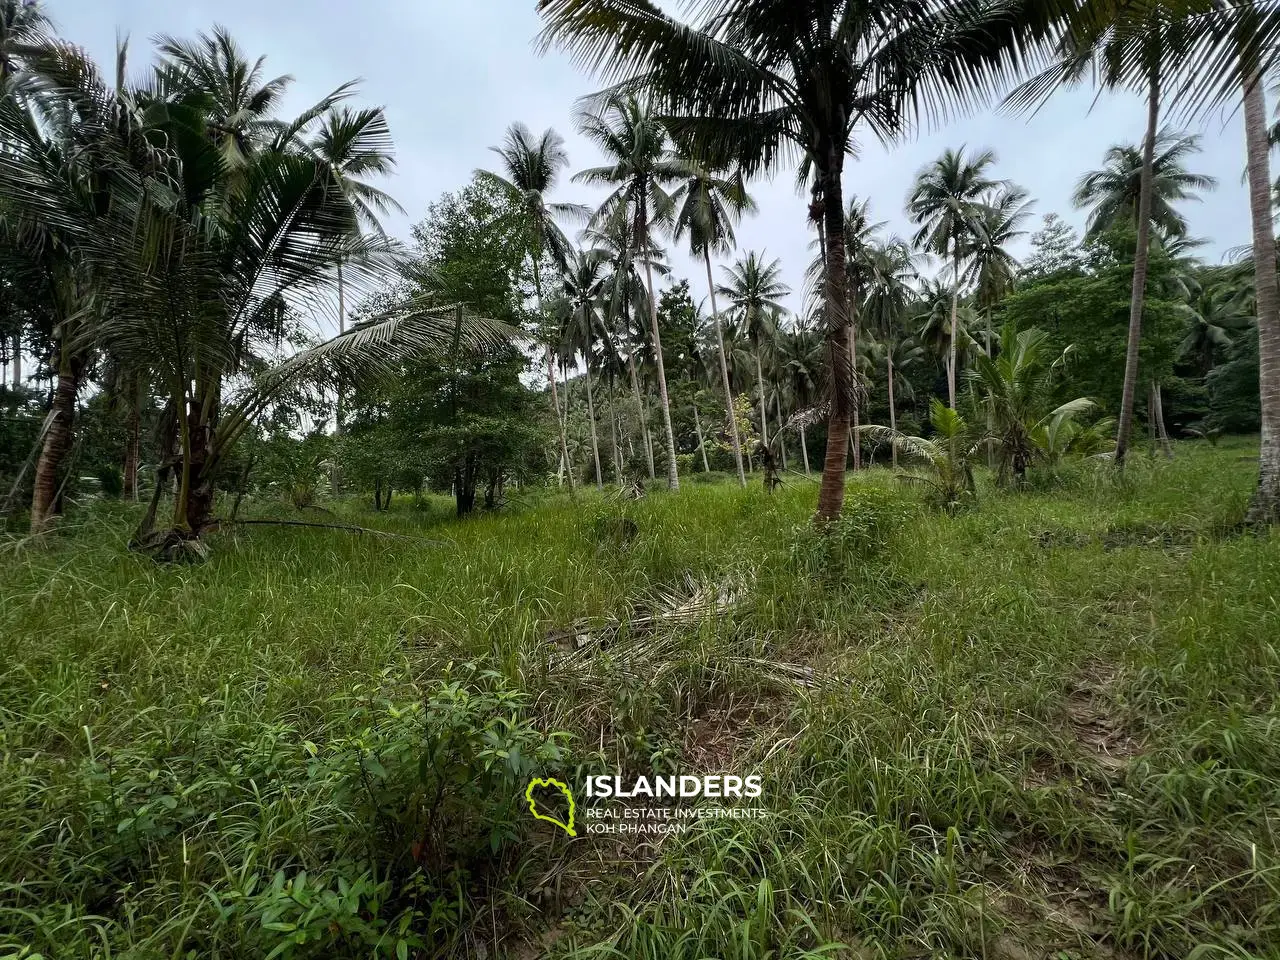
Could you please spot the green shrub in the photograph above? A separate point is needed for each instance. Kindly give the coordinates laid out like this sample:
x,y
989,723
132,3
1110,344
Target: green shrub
x,y
871,518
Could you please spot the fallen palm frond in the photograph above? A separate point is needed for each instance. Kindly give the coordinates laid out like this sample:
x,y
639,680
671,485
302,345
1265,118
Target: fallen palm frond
x,y
666,611
649,643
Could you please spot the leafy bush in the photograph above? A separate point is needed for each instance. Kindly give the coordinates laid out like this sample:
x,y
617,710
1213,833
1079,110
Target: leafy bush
x,y
441,777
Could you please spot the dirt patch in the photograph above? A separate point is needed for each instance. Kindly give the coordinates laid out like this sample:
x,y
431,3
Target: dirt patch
x,y
715,741
1095,722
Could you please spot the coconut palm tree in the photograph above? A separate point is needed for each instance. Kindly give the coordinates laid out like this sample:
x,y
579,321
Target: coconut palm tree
x,y
1264,507
24,27
800,361
1114,192
992,268
584,284
532,166
1016,387
627,310
767,86
355,145
754,290
1215,317
639,170
949,204
1154,49
947,456
195,264
709,203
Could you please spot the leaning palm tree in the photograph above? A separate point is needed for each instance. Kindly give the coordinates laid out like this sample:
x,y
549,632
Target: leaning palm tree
x,y
770,86
531,168
639,170
948,203
755,290
1113,193
709,203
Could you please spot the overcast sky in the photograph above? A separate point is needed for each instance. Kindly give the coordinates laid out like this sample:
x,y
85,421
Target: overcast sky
x,y
452,74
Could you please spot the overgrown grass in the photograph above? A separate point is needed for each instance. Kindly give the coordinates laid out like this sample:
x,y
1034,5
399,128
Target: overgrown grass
x,y
1046,726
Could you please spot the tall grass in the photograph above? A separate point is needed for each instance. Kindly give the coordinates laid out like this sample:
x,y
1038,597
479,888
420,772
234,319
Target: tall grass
x,y
1046,726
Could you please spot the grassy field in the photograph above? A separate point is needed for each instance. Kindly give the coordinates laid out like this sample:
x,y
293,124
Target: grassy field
x,y
1043,727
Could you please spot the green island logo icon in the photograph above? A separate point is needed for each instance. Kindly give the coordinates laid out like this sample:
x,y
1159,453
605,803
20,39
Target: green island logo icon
x,y
533,804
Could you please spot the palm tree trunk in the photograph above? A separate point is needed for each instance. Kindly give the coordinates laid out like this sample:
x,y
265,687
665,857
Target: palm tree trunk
x,y
953,351
1140,257
856,399
551,374
648,435
764,410
1264,508
702,444
724,373
782,440
804,448
342,328
893,414
673,472
613,432
591,415
1157,396
132,442
831,493
642,411
57,440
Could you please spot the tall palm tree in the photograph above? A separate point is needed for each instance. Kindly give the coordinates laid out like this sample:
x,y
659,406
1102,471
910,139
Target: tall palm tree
x,y
584,283
800,360
755,290
532,166
195,264
355,145
893,270
992,267
1264,507
709,203
639,170
627,310
948,203
1142,48
767,86
1114,192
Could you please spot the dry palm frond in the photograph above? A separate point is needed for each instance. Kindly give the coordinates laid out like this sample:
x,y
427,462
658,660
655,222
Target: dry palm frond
x,y
649,643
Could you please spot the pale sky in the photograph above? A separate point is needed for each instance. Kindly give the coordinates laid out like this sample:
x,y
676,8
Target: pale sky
x,y
452,74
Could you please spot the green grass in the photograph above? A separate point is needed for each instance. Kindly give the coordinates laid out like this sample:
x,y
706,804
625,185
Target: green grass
x,y
1044,727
